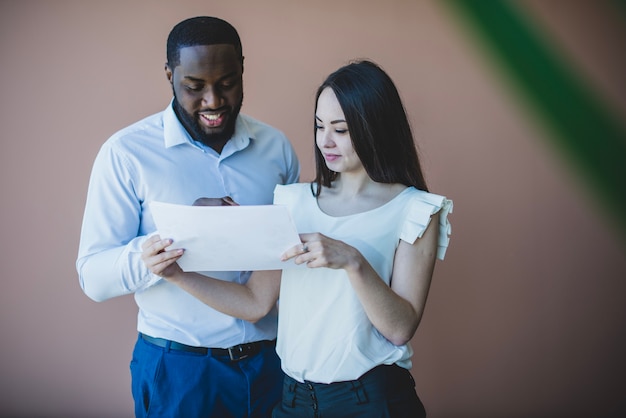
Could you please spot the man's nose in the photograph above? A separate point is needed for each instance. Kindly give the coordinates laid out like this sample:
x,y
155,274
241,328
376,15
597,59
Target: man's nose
x,y
212,99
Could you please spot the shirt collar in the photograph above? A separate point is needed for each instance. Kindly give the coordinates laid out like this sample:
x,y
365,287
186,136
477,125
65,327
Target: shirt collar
x,y
175,133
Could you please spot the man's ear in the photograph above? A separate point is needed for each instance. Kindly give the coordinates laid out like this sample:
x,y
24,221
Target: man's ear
x,y
168,73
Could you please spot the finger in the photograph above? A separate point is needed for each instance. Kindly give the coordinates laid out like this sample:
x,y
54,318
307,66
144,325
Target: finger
x,y
170,255
156,252
161,261
161,245
157,247
208,201
295,251
228,201
151,240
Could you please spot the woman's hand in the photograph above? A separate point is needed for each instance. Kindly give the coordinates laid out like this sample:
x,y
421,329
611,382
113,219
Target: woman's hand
x,y
162,262
158,260
318,250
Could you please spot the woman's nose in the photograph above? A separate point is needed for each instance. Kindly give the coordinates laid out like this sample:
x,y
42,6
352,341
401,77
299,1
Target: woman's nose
x,y
326,139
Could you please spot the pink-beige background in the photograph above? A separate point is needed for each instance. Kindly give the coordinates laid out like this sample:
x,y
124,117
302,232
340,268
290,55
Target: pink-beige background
x,y
526,316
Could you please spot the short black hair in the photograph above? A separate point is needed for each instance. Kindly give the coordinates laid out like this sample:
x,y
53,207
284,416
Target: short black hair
x,y
201,30
378,125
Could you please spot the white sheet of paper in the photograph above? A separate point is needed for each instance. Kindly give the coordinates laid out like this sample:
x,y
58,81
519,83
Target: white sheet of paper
x,y
227,238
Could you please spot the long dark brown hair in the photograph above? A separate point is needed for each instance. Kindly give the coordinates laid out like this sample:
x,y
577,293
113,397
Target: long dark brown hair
x,y
378,126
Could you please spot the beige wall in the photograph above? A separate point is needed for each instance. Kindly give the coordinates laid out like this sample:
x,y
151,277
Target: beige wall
x,y
526,316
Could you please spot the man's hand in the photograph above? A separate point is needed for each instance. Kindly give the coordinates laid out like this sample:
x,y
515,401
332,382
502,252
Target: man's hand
x,y
215,201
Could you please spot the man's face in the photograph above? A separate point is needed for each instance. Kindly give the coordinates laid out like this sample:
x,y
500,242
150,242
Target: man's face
x,y
208,92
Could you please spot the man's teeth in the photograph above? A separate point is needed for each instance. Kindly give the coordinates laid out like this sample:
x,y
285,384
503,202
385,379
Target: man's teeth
x,y
211,117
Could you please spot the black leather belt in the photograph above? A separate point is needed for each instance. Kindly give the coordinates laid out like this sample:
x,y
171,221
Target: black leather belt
x,y
234,353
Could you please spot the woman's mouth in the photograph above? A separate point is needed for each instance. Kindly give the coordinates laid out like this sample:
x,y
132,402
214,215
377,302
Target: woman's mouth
x,y
331,157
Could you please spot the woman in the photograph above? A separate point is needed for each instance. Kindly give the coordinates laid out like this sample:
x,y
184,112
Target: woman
x,y
371,233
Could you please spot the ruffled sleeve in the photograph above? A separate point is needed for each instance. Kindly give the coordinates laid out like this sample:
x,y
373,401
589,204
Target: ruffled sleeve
x,y
420,210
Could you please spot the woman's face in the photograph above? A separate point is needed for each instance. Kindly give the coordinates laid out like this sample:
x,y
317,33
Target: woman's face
x,y
332,136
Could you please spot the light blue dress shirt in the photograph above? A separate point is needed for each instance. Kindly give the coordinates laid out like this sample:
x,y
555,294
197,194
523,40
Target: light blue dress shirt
x,y
156,159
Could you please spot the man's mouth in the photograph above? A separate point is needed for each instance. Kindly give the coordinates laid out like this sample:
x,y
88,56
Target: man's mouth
x,y
213,120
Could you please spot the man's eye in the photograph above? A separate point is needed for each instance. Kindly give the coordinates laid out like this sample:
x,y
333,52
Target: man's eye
x,y
193,88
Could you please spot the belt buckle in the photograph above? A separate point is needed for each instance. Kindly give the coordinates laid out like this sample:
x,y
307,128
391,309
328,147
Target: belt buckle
x,y
234,351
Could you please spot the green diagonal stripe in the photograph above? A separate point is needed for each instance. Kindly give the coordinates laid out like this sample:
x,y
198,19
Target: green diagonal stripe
x,y
581,125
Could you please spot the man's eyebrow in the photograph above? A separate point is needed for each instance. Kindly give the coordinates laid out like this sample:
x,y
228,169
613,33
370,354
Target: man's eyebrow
x,y
332,121
200,80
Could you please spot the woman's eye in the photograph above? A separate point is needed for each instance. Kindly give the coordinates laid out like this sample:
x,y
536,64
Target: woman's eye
x,y
341,131
319,127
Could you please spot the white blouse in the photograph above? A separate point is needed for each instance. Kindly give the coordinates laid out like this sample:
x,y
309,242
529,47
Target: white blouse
x,y
324,334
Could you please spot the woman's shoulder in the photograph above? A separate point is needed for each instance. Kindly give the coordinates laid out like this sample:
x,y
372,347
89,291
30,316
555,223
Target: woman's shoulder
x,y
421,206
288,192
293,188
422,198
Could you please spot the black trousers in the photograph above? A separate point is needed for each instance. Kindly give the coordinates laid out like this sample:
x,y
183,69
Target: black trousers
x,y
383,392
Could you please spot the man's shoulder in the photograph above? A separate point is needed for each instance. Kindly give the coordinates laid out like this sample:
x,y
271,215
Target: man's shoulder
x,y
258,128
149,126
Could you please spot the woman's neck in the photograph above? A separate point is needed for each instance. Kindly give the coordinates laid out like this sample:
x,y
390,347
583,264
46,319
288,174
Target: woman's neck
x,y
350,186
354,194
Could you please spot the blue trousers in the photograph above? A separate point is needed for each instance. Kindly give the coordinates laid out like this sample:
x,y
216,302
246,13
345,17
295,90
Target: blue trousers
x,y
383,392
177,384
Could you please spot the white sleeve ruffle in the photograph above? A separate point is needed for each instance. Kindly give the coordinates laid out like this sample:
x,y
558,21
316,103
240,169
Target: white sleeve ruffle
x,y
421,209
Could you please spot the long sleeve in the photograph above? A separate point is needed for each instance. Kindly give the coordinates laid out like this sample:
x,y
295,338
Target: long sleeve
x,y
293,165
109,258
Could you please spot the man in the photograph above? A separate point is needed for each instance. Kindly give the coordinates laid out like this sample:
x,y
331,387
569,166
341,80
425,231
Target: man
x,y
189,360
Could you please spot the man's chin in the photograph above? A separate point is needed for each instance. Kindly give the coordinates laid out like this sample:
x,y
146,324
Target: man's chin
x,y
216,136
